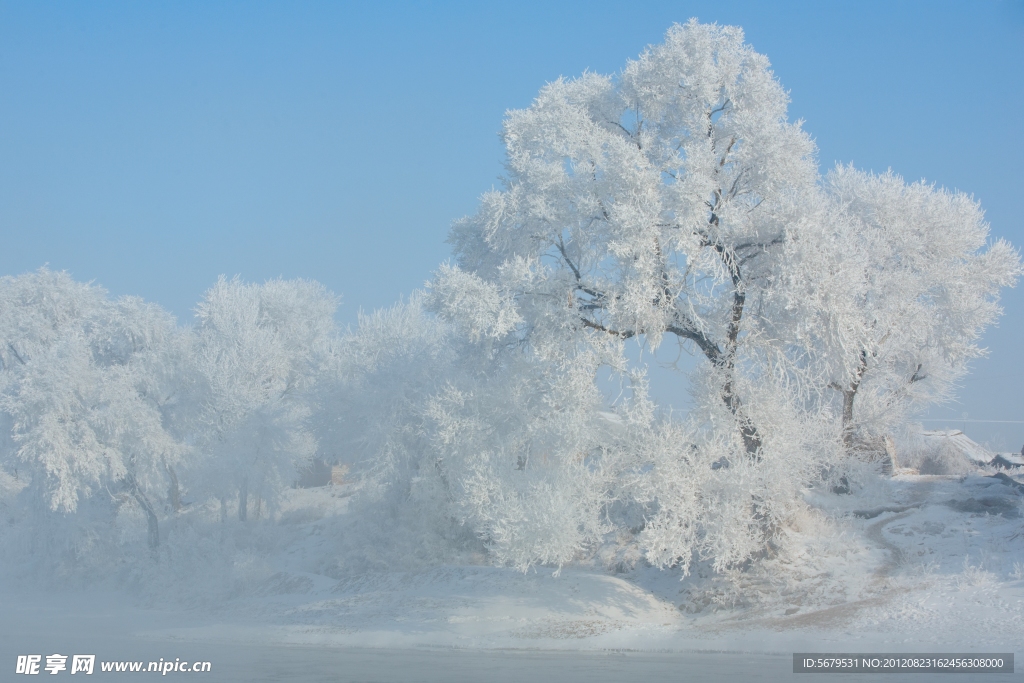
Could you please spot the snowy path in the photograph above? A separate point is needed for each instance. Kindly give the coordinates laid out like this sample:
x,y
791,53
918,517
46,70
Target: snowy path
x,y
832,618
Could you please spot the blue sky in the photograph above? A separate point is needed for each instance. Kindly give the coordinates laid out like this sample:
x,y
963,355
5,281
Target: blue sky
x,y
151,147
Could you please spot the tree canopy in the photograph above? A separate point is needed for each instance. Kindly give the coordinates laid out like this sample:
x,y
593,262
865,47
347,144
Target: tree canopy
x,y
673,202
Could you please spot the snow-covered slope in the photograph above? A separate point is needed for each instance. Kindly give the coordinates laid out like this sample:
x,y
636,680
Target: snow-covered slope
x,y
936,562
922,563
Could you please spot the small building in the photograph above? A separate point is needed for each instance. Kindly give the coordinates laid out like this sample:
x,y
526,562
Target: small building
x,y
320,473
950,451
1005,461
961,442
316,473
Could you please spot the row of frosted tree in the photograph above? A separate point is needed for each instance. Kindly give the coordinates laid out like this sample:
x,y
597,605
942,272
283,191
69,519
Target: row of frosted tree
x,y
672,206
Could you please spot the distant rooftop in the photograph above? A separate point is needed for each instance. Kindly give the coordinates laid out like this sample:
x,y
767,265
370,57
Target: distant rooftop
x,y
962,442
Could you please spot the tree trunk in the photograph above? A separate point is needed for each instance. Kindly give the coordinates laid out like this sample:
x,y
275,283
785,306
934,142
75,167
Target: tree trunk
x,y
174,493
723,360
243,500
151,518
849,395
751,439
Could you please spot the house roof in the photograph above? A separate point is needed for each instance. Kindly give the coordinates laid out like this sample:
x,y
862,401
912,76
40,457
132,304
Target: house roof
x,y
962,442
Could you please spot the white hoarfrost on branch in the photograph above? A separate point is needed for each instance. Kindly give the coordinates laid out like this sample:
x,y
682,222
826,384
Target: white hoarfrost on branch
x,y
656,203
901,286
676,201
671,204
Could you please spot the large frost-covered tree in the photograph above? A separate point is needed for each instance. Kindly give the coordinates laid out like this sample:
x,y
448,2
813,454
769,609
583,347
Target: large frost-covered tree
x,y
656,203
83,385
675,200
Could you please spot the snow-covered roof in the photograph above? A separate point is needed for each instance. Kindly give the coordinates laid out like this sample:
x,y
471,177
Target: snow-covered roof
x,y
1009,460
962,442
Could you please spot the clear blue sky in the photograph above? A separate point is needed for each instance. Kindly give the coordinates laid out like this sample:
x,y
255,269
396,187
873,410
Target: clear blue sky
x,y
151,147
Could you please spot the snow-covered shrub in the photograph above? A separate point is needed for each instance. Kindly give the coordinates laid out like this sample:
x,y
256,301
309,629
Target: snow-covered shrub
x,y
535,460
712,501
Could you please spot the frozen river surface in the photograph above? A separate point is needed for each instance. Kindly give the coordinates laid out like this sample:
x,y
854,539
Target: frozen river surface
x,y
931,577
233,662
41,626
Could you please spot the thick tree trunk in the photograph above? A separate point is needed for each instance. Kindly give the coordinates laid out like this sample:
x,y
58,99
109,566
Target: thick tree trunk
x,y
849,395
152,522
751,439
724,361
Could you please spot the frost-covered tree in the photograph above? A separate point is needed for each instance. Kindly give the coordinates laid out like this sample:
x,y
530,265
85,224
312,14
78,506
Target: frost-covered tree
x,y
458,442
81,387
536,461
370,414
660,203
897,291
258,349
655,203
676,201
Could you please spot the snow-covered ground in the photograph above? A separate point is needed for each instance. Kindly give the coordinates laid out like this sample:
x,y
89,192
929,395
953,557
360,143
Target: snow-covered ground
x,y
923,564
